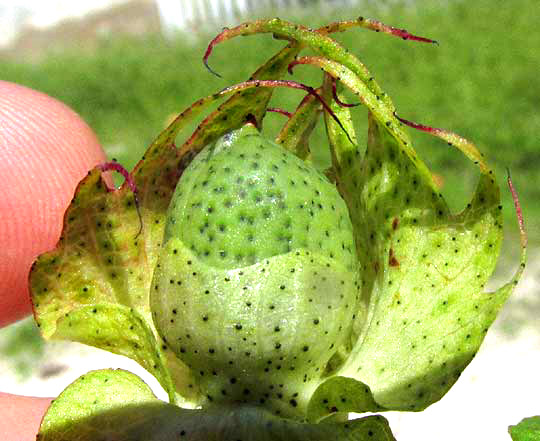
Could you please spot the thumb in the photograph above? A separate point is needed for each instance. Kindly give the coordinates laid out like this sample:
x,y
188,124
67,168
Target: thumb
x,y
21,416
45,150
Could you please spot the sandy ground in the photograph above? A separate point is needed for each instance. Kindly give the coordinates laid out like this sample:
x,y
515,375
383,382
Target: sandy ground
x,y
499,388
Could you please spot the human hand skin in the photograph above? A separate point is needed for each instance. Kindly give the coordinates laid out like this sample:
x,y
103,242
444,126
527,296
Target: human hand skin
x,y
45,150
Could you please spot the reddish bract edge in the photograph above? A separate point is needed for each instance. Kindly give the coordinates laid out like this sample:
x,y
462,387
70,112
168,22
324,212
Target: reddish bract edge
x,y
418,126
401,33
280,111
336,98
216,40
292,85
517,206
375,25
114,166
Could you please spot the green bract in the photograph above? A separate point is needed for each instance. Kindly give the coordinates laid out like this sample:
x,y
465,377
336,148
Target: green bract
x,y
527,429
273,297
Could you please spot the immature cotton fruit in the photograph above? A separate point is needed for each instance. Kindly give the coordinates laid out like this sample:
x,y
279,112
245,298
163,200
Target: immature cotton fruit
x,y
256,284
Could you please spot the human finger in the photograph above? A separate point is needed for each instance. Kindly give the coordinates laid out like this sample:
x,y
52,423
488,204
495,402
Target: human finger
x,y
21,416
45,150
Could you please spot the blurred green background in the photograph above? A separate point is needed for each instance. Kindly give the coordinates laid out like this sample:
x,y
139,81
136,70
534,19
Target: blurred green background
x,y
481,81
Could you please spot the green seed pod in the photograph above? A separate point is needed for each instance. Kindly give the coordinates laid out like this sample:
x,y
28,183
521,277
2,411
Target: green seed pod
x,y
256,285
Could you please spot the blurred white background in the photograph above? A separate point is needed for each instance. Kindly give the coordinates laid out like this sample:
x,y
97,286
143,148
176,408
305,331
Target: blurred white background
x,y
16,15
